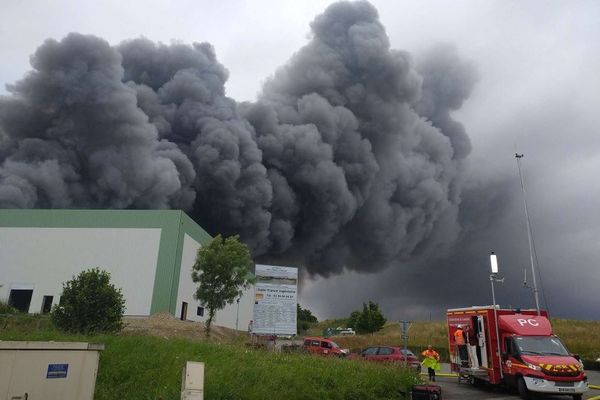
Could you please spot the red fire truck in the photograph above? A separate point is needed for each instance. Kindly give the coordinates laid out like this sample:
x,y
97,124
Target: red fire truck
x,y
513,347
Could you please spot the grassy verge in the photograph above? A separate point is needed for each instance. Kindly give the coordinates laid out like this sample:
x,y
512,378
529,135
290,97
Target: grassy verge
x,y
580,337
142,367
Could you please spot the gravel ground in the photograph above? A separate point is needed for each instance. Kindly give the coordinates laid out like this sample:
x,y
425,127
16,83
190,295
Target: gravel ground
x,y
167,326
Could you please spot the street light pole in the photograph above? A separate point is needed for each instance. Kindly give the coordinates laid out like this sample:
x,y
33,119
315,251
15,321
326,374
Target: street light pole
x,y
494,278
405,328
237,314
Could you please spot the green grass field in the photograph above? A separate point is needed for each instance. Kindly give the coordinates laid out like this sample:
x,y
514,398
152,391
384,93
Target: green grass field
x,y
138,367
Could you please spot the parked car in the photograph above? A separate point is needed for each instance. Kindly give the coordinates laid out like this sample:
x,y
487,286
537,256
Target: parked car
x,y
339,331
345,332
324,346
389,354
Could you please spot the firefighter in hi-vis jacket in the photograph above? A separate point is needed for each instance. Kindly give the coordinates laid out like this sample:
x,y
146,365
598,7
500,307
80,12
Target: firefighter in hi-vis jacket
x,y
431,361
459,339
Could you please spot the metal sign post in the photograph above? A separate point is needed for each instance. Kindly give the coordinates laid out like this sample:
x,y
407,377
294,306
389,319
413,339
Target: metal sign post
x,y
405,328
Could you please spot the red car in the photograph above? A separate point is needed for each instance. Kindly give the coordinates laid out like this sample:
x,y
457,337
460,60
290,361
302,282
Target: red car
x,y
390,354
323,346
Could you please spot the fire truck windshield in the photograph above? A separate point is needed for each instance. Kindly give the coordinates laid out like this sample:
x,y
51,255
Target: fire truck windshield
x,y
540,345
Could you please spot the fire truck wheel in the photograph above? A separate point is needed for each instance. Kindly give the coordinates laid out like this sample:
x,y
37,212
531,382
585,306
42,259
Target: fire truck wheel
x,y
522,387
577,397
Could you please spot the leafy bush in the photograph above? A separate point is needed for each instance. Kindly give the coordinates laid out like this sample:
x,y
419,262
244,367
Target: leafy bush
x,y
89,304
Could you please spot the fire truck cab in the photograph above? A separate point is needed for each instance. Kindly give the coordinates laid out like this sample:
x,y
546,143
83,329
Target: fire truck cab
x,y
516,348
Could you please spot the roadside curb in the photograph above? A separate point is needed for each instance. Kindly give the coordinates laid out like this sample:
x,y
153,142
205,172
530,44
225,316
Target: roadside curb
x,y
442,374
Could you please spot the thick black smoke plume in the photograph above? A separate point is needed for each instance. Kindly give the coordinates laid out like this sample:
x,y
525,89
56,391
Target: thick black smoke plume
x,y
348,158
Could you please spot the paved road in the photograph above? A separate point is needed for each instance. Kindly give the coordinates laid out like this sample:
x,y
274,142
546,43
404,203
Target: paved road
x,y
451,390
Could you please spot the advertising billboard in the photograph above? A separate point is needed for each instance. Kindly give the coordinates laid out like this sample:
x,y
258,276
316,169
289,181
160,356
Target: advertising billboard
x,y
276,295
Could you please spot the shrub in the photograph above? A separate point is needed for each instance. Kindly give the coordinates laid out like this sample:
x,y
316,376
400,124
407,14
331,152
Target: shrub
x,y
6,308
89,304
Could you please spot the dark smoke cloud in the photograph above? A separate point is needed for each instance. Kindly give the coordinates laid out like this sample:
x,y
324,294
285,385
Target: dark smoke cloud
x,y
75,136
447,82
181,89
349,158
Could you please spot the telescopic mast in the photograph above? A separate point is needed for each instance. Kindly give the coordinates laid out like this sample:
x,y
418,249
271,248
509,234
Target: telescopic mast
x,y
529,236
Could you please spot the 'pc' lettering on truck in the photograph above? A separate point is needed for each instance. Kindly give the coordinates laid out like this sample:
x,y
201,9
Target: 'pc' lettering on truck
x,y
531,359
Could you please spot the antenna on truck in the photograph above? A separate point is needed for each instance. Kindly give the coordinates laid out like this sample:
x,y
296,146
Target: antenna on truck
x,y
528,286
529,237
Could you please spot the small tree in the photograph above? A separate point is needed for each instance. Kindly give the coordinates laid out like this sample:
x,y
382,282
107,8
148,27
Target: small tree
x,y
89,304
305,318
222,269
370,320
353,320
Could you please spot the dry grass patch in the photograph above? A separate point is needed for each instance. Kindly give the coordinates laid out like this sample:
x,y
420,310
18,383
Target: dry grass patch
x,y
580,337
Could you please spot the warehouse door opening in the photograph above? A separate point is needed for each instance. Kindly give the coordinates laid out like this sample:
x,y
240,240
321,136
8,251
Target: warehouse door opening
x,y
183,311
47,304
20,299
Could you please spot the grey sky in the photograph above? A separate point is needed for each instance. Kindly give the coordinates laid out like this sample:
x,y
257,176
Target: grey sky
x,y
539,92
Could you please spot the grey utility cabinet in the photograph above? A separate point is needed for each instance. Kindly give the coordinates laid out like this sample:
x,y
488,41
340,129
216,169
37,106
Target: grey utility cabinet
x,y
48,370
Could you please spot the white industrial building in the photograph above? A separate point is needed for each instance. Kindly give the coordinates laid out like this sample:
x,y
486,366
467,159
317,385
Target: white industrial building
x,y
149,254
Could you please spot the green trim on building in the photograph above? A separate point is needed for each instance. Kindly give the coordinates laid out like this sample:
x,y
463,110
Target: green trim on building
x,y
166,267
191,228
85,218
174,224
194,230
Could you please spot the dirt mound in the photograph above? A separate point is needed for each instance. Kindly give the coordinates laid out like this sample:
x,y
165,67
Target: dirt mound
x,y
167,326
